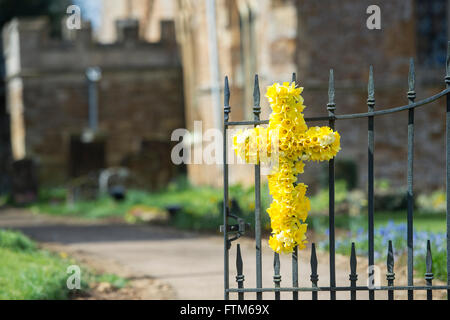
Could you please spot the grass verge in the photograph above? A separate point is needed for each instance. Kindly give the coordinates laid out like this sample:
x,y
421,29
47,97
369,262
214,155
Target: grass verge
x,y
28,273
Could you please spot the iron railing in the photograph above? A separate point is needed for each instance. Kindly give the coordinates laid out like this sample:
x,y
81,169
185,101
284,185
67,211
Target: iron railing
x,y
236,230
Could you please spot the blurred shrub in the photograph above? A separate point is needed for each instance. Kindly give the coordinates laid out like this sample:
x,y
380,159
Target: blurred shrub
x,y
344,170
347,170
388,198
319,201
16,241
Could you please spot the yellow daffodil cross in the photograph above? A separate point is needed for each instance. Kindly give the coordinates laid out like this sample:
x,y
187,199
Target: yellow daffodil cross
x,y
293,142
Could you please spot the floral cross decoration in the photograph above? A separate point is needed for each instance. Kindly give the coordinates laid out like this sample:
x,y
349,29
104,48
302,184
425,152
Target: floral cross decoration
x,y
289,138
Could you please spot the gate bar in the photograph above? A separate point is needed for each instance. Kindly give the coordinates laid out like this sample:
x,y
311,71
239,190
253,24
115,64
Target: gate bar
x,y
447,84
314,290
226,112
371,104
410,172
295,252
256,112
331,107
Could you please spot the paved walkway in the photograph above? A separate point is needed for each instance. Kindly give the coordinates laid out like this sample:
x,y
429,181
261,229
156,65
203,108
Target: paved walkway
x,y
190,263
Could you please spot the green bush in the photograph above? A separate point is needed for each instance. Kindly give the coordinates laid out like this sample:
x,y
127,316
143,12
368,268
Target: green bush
x,y
16,241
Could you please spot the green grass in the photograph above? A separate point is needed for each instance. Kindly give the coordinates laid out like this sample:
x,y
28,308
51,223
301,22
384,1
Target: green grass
x,y
115,280
432,222
27,273
201,207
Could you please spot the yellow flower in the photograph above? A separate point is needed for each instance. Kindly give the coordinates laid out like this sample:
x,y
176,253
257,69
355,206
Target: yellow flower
x,y
288,135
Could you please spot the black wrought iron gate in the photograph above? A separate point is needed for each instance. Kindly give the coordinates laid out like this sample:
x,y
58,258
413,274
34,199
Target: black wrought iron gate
x,y
233,231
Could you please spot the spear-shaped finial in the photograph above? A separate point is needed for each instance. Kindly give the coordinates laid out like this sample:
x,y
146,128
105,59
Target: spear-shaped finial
x,y
390,275
353,275
353,263
429,262
276,263
411,80
276,274
256,99
331,105
411,75
239,264
313,262
371,90
256,94
239,268
226,93
314,276
390,259
226,101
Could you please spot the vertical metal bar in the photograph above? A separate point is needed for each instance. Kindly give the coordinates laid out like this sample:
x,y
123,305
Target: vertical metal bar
x,y
331,107
447,84
226,112
295,252
410,195
429,271
371,105
93,74
314,275
276,274
353,275
390,275
239,275
295,273
256,113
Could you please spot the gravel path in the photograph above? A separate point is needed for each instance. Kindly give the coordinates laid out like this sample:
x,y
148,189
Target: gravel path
x,y
191,264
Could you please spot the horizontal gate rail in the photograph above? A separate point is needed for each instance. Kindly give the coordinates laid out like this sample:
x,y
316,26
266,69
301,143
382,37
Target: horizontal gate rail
x,y
353,115
353,276
327,289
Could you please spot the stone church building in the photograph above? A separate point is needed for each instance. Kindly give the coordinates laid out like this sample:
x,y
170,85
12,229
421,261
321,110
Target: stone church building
x,y
274,38
238,38
139,101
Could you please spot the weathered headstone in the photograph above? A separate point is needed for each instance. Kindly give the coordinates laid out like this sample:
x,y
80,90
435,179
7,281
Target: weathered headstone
x,y
24,182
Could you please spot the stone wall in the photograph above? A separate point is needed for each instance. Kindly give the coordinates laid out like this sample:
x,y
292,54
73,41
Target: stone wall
x,y
277,37
140,93
334,35
310,37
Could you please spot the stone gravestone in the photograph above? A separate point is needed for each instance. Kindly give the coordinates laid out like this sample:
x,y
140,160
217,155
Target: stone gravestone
x,y
24,182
